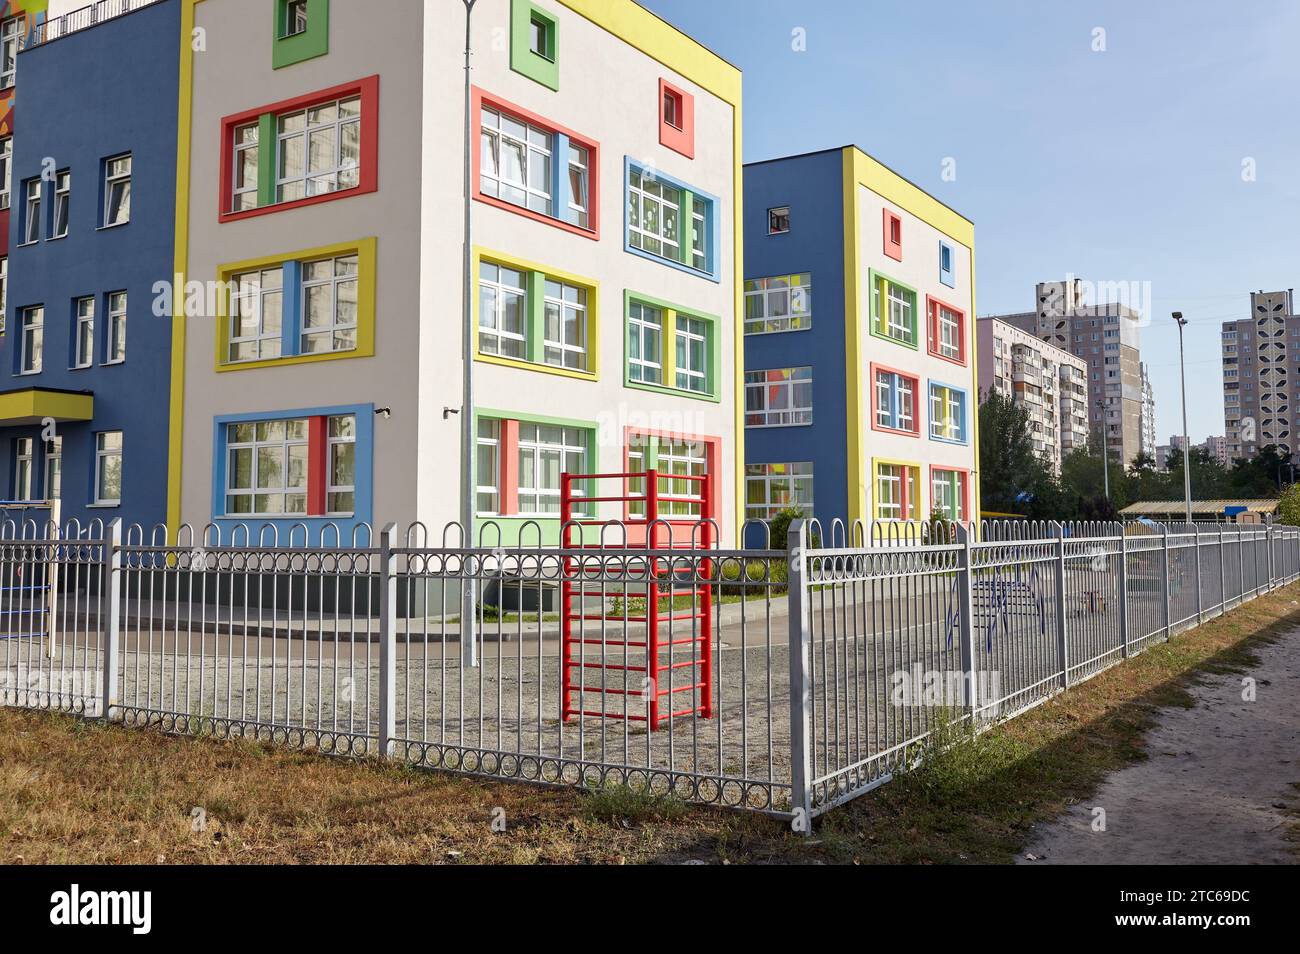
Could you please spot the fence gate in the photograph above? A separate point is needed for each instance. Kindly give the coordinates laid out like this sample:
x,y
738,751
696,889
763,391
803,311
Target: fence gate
x,y
636,620
30,581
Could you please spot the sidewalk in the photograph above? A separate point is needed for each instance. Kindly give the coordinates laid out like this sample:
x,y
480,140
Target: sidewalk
x,y
1218,786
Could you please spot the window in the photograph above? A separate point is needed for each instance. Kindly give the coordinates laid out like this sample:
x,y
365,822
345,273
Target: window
x,y
676,119
780,303
692,349
770,488
83,339
247,158
295,17
32,345
266,472
11,33
329,305
340,486
896,492
318,150
256,307
668,221
948,493
579,177
893,310
6,169
487,471
947,331
32,211
645,337
894,399
54,469
778,220
893,235
534,43
565,325
23,468
108,468
546,451
502,311
946,275
62,195
4,291
516,162
947,413
116,344
117,191
778,397
678,458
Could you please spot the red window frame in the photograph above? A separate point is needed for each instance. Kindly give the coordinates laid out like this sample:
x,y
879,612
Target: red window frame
x,y
677,138
932,306
965,487
368,88
478,98
916,401
893,223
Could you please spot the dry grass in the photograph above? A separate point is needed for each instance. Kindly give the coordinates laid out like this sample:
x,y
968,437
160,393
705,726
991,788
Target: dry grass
x,y
79,792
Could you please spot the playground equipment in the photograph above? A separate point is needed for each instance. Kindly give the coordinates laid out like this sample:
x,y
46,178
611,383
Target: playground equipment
x,y
637,621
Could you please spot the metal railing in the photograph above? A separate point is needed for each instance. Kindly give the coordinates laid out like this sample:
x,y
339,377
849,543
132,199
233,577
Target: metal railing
x,y
80,19
833,659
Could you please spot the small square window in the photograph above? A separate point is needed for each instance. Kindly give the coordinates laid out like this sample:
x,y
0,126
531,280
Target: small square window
x,y
539,37
946,275
893,236
295,17
673,109
676,119
535,43
778,220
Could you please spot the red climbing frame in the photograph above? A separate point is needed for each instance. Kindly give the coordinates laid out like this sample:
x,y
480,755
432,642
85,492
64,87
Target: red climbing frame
x,y
654,659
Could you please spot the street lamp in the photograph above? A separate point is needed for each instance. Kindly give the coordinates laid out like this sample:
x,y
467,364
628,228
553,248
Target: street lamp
x,y
1105,456
468,436
1187,452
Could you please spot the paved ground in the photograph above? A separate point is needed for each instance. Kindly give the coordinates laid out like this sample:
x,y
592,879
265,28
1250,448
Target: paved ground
x,y
1216,789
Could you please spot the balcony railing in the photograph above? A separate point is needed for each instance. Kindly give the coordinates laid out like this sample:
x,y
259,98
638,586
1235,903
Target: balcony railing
x,y
80,19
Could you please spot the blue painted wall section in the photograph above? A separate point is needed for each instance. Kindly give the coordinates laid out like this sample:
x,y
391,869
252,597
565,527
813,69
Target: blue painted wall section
x,y
97,93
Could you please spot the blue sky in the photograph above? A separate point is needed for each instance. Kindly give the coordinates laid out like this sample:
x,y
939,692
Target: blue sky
x,y
1122,165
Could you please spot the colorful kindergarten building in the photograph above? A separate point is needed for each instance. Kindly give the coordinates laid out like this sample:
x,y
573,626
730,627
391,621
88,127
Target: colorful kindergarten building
x,y
860,401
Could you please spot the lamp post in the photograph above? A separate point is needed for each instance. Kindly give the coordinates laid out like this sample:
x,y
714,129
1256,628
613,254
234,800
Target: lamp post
x,y
468,601
1105,455
1187,452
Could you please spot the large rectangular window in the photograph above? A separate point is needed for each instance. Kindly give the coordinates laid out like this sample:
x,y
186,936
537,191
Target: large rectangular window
x,y
565,342
947,331
947,413
115,345
669,221
893,398
645,343
948,490
32,340
546,451
266,470
11,34
779,303
516,161
897,491
108,468
318,149
117,191
681,463
502,311
771,488
670,349
893,310
83,335
529,315
329,305
778,397
256,306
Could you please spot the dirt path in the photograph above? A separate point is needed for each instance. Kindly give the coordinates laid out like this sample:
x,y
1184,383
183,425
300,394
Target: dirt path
x,y
1216,787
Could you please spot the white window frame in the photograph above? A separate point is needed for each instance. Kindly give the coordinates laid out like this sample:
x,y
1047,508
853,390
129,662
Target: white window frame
x,y
31,211
560,299
648,192
899,323
344,271
251,288
62,201
949,337
496,333
774,215
535,500
31,326
104,453
53,478
341,173
487,437
117,177
83,332
6,169
945,481
333,487
642,331
295,18
947,413
895,394
534,142
686,458
115,339
24,468
780,490
244,145
770,402
579,185
784,303
4,291
689,331
11,32
283,489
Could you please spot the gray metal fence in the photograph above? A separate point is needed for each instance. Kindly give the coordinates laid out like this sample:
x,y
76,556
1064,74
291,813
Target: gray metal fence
x,y
797,678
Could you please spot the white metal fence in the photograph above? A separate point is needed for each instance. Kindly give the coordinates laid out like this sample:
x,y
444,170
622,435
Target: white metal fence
x,y
828,664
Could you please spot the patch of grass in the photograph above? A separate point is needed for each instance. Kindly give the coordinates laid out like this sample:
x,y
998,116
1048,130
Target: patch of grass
x,y
623,803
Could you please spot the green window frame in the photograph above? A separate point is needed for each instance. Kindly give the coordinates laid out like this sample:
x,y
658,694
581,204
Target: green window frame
x,y
889,321
288,47
535,43
688,359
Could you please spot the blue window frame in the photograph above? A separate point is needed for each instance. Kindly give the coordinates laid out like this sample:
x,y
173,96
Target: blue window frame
x,y
947,262
669,221
947,413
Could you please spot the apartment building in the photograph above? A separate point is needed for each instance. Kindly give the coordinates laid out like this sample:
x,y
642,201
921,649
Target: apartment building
x,y
88,234
1049,383
320,184
1261,363
859,377
1148,426
1217,448
1106,335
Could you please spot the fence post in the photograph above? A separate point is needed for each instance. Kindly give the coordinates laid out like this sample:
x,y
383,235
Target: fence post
x,y
388,641
1196,545
1164,560
110,614
1223,574
800,688
966,621
1241,567
1268,530
1062,642
1123,592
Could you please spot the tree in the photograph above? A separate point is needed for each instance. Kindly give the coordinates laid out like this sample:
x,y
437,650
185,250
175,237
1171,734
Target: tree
x,y
1288,508
1013,478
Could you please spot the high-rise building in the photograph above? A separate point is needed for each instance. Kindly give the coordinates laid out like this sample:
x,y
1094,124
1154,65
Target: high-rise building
x,y
1148,413
1217,448
1260,400
1049,383
1106,336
